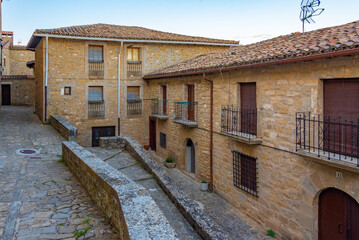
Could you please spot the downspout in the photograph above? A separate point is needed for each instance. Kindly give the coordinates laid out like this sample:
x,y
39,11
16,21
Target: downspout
x,y
119,92
46,73
210,134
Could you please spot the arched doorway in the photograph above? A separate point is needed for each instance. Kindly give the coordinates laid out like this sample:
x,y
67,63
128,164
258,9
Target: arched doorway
x,y
190,157
338,216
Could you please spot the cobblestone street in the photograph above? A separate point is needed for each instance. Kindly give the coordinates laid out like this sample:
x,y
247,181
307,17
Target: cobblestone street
x,y
39,197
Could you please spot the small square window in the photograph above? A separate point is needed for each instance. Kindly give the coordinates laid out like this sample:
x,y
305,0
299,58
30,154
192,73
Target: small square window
x,y
67,90
163,142
245,173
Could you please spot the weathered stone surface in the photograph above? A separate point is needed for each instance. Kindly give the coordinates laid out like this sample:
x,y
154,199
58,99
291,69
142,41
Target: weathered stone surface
x,y
64,127
128,205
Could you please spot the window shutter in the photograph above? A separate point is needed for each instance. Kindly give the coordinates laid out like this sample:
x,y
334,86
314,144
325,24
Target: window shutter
x,y
95,94
95,54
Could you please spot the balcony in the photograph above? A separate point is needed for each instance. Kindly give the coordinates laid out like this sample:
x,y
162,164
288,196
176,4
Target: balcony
x,y
96,109
186,113
240,124
134,69
134,107
96,69
328,139
159,109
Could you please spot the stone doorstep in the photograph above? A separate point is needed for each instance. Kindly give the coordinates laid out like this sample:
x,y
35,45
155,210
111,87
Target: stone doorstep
x,y
253,141
331,162
200,221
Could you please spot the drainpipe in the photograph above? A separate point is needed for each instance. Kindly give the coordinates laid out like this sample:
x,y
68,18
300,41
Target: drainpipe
x,y
119,91
210,134
46,73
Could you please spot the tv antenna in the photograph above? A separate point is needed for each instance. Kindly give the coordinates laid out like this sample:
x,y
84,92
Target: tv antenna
x,y
309,9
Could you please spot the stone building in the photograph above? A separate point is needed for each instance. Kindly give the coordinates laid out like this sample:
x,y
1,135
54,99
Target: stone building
x,y
273,126
79,69
17,86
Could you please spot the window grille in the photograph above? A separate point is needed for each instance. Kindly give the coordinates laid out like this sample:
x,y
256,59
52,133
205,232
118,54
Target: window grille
x,y
163,140
245,173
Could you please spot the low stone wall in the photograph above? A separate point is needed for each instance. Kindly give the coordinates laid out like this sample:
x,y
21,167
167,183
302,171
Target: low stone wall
x,y
202,223
126,204
64,127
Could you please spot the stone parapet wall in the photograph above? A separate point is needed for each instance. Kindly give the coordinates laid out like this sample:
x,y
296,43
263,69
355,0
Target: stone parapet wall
x,y
64,127
202,223
126,204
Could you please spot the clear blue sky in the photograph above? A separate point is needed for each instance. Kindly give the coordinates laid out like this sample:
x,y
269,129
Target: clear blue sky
x,y
244,20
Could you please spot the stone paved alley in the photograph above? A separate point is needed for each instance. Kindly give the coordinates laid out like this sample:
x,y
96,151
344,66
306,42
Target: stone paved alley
x,y
39,197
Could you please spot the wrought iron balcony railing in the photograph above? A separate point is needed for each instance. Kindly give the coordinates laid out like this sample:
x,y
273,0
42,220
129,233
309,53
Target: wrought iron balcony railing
x,y
186,113
134,69
239,122
96,69
332,137
134,107
159,108
96,109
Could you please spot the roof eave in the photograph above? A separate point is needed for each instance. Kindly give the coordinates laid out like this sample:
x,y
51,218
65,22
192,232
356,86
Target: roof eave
x,y
40,35
32,44
261,64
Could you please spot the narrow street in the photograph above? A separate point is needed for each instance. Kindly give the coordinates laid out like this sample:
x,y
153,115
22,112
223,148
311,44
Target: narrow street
x,y
39,196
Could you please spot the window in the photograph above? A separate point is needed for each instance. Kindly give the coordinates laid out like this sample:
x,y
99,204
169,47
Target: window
x,y
245,173
162,140
95,54
67,90
4,62
95,94
133,54
133,93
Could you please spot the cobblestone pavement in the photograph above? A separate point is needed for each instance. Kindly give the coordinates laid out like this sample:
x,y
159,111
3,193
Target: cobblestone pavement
x,y
126,164
39,197
221,212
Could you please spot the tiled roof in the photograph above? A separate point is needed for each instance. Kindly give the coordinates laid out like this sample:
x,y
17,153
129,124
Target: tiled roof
x,y
7,33
326,40
9,77
126,32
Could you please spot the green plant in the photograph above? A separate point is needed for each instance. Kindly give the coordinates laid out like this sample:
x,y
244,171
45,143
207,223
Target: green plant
x,y
67,179
169,160
203,181
270,233
78,234
153,175
62,160
87,220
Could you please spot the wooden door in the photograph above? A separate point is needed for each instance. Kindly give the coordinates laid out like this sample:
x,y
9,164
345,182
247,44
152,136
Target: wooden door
x,y
98,132
164,98
5,94
153,133
341,114
248,108
338,216
191,107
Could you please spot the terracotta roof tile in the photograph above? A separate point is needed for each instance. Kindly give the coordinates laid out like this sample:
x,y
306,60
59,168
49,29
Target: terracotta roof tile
x,y
4,77
18,47
294,45
126,32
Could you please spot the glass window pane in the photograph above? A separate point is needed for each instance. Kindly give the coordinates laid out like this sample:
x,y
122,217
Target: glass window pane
x,y
95,54
129,54
133,93
95,94
136,56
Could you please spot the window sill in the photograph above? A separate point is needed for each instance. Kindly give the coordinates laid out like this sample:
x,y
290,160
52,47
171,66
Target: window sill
x,y
342,164
160,117
251,141
190,124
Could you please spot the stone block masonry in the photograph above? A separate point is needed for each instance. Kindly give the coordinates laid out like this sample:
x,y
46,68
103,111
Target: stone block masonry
x,y
202,223
127,205
64,127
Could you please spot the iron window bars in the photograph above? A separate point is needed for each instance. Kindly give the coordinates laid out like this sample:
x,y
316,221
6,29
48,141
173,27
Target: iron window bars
x,y
245,173
239,122
334,137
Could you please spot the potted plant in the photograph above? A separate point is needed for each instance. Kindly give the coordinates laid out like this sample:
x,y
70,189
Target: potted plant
x,y
170,163
146,147
203,185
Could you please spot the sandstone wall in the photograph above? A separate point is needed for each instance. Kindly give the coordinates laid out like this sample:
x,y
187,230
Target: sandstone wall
x,y
18,59
39,74
68,131
22,90
288,184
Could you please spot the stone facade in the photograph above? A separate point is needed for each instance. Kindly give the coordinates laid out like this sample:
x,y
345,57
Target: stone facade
x,y
289,184
68,67
21,89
